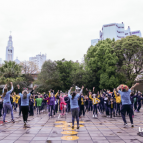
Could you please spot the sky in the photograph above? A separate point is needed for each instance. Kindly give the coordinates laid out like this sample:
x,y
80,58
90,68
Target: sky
x,y
61,28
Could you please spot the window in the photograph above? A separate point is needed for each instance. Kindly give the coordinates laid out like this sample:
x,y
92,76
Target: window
x,y
120,31
126,33
135,32
109,25
119,27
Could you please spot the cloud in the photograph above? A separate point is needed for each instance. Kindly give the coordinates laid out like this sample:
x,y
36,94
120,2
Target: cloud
x,y
61,28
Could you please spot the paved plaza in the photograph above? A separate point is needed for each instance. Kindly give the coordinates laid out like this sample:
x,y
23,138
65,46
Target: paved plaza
x,y
45,130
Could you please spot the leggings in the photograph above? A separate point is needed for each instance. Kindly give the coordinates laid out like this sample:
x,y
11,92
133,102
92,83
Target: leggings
x,y
75,114
25,110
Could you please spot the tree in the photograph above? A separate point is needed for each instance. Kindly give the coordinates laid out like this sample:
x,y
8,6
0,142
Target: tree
x,y
49,77
65,69
129,51
29,67
101,61
10,72
78,74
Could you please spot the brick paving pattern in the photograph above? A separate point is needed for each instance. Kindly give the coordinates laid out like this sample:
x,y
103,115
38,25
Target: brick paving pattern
x,y
95,130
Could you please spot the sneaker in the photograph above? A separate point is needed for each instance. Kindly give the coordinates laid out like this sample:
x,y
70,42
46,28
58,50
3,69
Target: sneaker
x,y
72,127
13,121
77,127
93,116
125,125
132,125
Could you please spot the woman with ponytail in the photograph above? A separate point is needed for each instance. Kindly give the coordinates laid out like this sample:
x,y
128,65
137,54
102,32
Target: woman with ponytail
x,y
74,106
25,96
6,102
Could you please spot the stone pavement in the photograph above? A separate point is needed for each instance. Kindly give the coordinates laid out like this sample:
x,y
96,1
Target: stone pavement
x,y
43,130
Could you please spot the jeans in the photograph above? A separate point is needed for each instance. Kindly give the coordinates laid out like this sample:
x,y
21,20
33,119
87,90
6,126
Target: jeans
x,y
118,108
75,114
7,106
94,109
82,110
135,105
31,110
107,110
89,105
38,109
112,111
139,106
124,109
0,110
52,107
14,104
25,110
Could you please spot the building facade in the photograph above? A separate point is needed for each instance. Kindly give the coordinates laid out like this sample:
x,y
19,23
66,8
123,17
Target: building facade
x,y
116,31
10,50
38,60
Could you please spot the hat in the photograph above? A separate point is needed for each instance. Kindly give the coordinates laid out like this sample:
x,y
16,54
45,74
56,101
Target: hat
x,y
124,87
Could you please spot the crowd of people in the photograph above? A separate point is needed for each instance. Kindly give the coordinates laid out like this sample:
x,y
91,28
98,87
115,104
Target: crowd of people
x,y
121,101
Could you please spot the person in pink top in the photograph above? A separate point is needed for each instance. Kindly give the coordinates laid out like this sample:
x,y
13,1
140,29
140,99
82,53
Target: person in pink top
x,y
62,103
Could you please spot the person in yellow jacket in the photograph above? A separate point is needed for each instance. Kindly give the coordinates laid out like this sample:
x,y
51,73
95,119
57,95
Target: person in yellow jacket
x,y
95,101
118,102
15,101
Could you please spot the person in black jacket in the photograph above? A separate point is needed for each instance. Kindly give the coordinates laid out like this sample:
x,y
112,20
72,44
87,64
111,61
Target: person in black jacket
x,y
31,104
139,98
67,100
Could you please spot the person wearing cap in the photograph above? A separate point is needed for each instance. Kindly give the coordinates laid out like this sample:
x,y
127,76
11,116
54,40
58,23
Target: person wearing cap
x,y
124,91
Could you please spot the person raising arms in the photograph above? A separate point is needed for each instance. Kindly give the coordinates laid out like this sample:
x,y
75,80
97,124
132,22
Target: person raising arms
x,y
124,91
25,96
74,106
6,101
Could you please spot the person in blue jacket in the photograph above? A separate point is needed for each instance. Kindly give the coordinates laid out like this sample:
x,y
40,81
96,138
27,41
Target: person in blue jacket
x,y
7,102
74,106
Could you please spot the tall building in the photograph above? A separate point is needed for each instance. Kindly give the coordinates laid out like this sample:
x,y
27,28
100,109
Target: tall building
x,y
38,60
10,50
116,31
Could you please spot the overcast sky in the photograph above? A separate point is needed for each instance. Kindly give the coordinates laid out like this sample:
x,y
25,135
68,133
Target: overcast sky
x,y
61,28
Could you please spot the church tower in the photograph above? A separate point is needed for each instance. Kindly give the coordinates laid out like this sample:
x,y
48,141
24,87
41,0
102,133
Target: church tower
x,y
10,50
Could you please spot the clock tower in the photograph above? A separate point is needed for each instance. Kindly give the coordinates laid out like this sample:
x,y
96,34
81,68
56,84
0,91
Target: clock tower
x,y
10,50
